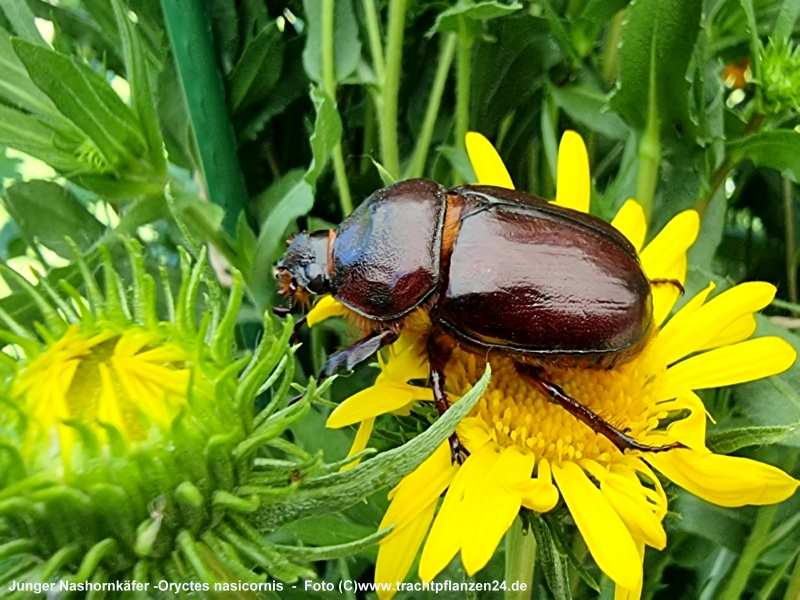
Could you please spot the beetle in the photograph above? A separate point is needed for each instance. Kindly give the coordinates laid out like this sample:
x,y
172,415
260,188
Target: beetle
x,y
496,271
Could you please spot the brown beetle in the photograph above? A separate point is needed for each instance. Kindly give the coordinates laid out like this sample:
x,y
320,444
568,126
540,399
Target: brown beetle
x,y
496,270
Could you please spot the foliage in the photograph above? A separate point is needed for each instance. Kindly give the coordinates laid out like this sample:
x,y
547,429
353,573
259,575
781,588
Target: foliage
x,y
293,112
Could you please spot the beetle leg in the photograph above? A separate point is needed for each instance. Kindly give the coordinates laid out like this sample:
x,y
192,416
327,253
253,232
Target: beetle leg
x,y
438,355
673,282
598,424
349,358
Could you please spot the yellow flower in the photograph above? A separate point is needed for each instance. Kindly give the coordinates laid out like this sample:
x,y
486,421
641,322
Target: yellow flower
x,y
527,452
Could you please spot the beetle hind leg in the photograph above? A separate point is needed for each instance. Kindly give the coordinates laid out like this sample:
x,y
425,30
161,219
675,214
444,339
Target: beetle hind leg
x,y
621,439
438,355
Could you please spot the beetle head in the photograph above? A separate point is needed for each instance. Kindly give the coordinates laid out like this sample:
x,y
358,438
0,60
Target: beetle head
x,y
303,269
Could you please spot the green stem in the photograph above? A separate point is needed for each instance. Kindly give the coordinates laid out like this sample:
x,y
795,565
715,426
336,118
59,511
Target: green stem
x,y
390,152
750,553
520,561
610,58
649,152
374,36
791,240
463,82
793,591
446,51
192,46
329,85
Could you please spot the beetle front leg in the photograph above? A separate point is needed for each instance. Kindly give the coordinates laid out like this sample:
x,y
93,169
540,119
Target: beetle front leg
x,y
673,282
350,357
597,423
438,355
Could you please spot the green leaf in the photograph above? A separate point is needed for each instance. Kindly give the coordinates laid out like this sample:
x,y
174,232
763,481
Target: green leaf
x,y
312,554
553,562
346,44
385,176
139,77
589,107
49,213
335,492
328,529
85,99
257,69
28,134
601,11
450,19
657,43
784,22
327,132
22,20
731,440
778,149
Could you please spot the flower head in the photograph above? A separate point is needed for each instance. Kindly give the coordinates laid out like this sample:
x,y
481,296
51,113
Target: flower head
x,y
524,451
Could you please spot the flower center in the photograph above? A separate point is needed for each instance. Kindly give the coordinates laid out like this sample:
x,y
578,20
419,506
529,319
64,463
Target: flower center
x,y
517,414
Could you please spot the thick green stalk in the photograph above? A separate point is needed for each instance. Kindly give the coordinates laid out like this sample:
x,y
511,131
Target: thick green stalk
x,y
190,37
390,151
463,82
610,56
329,85
793,591
520,561
649,152
791,239
446,51
374,35
750,553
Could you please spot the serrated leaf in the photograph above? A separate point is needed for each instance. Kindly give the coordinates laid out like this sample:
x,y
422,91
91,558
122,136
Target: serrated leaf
x,y
450,19
778,149
86,99
48,212
346,43
257,69
553,562
657,44
340,490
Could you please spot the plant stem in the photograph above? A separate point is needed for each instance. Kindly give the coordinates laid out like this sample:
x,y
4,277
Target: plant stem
x,y
390,152
750,553
463,82
649,151
610,57
793,591
791,240
447,49
520,561
374,36
329,85
190,37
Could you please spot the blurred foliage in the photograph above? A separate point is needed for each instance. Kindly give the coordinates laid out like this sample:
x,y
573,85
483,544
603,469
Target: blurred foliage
x,y
305,108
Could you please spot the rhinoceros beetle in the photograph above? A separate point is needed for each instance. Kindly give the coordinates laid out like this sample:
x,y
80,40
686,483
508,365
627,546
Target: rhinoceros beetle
x,y
496,270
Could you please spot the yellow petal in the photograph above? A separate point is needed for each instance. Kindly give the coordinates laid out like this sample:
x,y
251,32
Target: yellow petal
x,y
420,487
691,430
705,325
670,244
665,295
729,365
490,507
606,536
376,400
573,180
396,552
631,222
627,496
473,434
486,162
448,529
360,442
327,306
725,480
621,593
